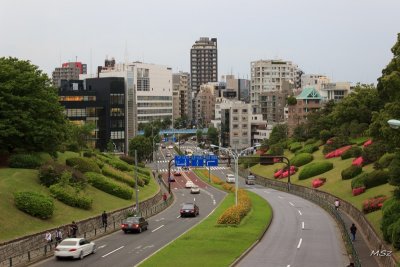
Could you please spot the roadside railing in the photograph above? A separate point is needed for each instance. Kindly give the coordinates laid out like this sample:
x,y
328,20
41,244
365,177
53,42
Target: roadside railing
x,y
97,230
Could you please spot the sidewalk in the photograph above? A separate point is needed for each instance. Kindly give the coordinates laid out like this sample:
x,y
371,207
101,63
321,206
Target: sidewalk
x,y
360,244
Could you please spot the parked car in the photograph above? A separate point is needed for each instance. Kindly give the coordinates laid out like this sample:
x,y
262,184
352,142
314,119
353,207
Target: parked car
x,y
250,179
230,178
189,184
195,190
134,224
76,248
189,209
172,178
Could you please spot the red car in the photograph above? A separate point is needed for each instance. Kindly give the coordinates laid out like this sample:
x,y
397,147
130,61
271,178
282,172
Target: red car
x,y
177,173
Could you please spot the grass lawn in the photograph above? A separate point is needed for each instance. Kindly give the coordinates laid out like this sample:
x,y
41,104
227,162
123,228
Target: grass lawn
x,y
223,244
334,184
13,180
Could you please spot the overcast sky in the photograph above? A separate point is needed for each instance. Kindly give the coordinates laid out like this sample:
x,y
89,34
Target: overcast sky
x,y
348,40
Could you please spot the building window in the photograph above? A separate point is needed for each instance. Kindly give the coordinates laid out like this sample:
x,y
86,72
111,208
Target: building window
x,y
116,99
143,80
116,112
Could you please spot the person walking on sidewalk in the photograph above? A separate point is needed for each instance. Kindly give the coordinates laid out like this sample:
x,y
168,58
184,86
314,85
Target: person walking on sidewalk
x,y
48,238
353,231
165,198
58,236
337,204
73,229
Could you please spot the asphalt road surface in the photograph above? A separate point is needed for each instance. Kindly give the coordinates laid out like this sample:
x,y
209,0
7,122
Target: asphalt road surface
x,y
119,249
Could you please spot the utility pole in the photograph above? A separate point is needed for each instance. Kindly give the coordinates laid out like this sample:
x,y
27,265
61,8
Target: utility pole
x,y
136,185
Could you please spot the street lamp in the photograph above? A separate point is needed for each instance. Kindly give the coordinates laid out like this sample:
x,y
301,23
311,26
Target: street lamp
x,y
236,156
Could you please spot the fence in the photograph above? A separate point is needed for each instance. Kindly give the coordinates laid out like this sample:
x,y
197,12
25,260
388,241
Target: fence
x,y
325,201
91,228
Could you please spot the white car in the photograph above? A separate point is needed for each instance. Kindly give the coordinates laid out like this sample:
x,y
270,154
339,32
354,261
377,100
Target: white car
x,y
195,190
230,178
189,184
170,147
74,248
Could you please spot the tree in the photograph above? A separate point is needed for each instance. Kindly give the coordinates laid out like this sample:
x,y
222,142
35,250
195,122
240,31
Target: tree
x,y
291,100
142,144
278,134
213,135
199,135
166,123
82,134
389,83
31,117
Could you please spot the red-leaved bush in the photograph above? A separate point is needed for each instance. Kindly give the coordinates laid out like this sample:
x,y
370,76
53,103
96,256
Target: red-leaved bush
x,y
373,204
358,191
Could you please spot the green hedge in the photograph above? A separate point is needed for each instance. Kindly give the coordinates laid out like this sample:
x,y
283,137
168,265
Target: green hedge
x,y
120,176
353,152
128,159
351,172
301,159
376,178
68,195
386,159
390,215
311,148
310,141
107,185
293,147
35,204
144,178
25,161
315,168
50,173
83,164
359,181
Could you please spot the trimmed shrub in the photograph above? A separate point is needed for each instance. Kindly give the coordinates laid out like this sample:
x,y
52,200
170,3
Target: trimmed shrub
x,y
107,185
128,159
143,171
376,178
141,165
234,214
311,148
34,204
301,159
353,152
390,214
358,191
119,175
374,152
310,141
88,154
359,181
395,227
351,172
70,196
99,162
315,168
293,147
394,171
144,178
83,164
50,173
25,161
373,204
386,159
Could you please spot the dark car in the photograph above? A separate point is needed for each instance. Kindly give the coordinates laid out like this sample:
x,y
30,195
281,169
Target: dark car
x,y
163,146
250,179
189,209
134,224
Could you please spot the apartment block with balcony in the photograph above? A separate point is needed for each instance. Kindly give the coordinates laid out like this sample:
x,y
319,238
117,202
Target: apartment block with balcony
x,y
181,95
68,71
204,106
314,80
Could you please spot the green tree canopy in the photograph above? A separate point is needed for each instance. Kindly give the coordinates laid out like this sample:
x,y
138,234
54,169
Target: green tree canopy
x,y
142,144
31,117
212,135
278,134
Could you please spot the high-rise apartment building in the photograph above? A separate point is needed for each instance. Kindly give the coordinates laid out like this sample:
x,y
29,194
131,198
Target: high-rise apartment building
x,y
68,71
240,86
181,95
269,75
205,105
203,62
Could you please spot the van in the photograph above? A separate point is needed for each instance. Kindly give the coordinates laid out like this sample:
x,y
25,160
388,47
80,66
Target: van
x,y
230,178
250,179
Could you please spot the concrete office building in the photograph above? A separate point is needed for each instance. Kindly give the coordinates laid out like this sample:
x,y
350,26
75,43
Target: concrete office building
x,y
268,75
335,91
204,106
181,95
68,71
241,87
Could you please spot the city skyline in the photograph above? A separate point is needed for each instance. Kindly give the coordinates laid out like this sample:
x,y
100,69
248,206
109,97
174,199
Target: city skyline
x,y
345,40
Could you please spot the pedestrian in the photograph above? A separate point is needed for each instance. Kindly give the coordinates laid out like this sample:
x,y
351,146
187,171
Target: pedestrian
x,y
48,238
337,204
353,231
165,198
104,219
74,229
58,235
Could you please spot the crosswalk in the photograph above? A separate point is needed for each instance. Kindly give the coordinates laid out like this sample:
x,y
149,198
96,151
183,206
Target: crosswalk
x,y
211,168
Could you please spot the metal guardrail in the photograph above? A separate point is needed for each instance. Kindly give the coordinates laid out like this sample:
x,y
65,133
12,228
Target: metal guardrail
x,y
47,250
323,203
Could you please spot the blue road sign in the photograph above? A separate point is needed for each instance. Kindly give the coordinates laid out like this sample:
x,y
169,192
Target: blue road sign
x,y
174,139
197,161
182,161
165,139
211,160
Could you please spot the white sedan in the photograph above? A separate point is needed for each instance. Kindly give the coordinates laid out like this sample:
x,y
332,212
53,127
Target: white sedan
x,y
170,147
189,184
74,248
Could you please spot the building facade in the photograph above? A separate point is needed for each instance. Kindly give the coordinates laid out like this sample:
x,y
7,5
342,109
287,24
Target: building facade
x,y
204,106
314,80
203,62
240,86
268,75
181,95
335,91
100,101
68,71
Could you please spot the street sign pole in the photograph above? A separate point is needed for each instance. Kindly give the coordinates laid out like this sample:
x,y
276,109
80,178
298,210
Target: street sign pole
x,y
209,175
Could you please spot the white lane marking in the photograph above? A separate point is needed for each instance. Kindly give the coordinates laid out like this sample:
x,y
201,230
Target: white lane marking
x,y
268,192
101,247
299,212
157,228
112,252
148,246
159,219
301,240
288,265
302,225
214,202
178,216
291,203
138,247
280,197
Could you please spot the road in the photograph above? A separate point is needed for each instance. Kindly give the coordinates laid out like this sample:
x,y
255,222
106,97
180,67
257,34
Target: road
x,y
119,249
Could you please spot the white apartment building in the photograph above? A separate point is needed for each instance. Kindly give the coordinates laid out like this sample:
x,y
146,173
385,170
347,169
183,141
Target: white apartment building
x,y
314,80
335,91
268,75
